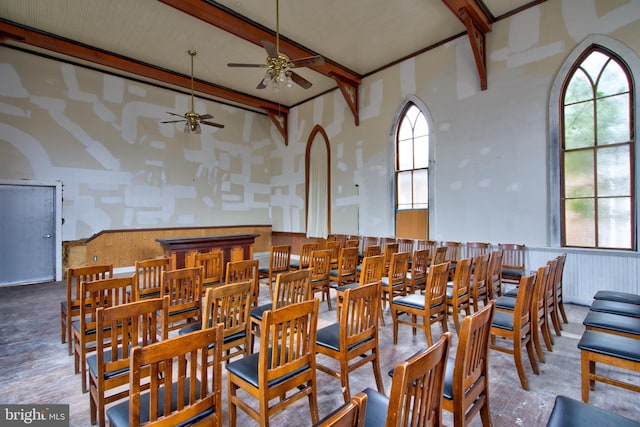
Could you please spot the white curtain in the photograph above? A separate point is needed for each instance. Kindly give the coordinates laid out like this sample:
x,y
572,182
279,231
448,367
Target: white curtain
x,y
317,218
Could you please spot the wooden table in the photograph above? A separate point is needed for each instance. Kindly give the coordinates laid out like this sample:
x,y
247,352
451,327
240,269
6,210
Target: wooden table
x,y
181,246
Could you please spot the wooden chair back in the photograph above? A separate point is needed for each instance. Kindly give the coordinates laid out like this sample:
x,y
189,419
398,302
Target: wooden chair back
x,y
351,414
292,287
469,380
439,255
181,383
479,288
148,275
418,275
475,249
70,308
372,250
405,245
389,249
212,264
352,243
347,265
426,244
454,251
395,282
320,269
494,278
559,304
95,294
512,256
279,262
305,254
334,247
369,241
239,271
539,325
550,295
184,288
230,305
118,330
372,269
460,292
417,386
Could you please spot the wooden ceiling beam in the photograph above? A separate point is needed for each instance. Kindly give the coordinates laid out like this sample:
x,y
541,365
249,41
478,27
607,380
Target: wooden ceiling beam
x,y
478,24
236,24
53,43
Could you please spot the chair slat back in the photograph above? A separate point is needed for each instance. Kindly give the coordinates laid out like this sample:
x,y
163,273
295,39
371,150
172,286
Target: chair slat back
x,y
439,255
372,269
522,310
372,250
417,386
184,288
475,249
181,360
405,245
102,293
348,261
398,268
454,251
305,254
359,317
77,275
280,258
212,264
419,268
494,278
462,277
436,292
512,255
239,271
320,265
149,277
351,414
287,343
291,288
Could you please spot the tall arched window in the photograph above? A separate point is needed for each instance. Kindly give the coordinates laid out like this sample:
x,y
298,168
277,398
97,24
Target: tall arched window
x,y
597,154
412,173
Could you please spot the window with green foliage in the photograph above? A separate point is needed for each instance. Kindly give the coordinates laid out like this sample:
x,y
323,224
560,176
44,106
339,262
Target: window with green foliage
x,y
597,155
412,160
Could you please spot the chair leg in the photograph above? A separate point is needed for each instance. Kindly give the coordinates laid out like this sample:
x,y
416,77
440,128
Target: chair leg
x,y
394,318
585,371
232,407
535,335
313,402
532,357
517,356
485,413
546,334
556,322
562,312
63,325
427,331
344,380
376,372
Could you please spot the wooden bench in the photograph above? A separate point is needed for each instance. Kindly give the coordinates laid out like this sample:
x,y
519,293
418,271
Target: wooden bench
x,y
614,350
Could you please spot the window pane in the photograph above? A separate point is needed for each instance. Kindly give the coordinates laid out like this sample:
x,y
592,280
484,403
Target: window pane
x,y
421,127
420,189
614,223
406,131
405,155
614,171
404,190
613,119
412,113
579,223
421,152
578,125
593,64
579,89
578,174
613,80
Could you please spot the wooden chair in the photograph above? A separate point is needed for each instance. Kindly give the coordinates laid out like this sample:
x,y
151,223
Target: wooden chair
x,y
371,272
184,288
279,261
239,271
286,362
550,298
388,249
512,263
118,330
182,389
426,244
568,412
345,272
212,264
369,241
230,305
305,256
479,280
454,253
405,245
320,269
352,243
438,255
291,287
98,293
416,390
351,414
430,307
459,291
148,277
494,276
334,247
372,250
466,386
70,308
558,306
394,284
516,327
353,341
417,275
474,249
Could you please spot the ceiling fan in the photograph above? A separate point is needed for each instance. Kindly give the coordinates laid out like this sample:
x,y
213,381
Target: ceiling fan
x,y
191,118
279,66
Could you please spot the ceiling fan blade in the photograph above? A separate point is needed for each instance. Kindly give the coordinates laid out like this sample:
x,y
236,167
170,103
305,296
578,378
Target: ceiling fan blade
x,y
270,48
205,116
236,64
174,121
298,79
218,125
310,61
174,114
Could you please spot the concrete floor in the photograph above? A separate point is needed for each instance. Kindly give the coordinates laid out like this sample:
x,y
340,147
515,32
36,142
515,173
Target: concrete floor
x,y
35,367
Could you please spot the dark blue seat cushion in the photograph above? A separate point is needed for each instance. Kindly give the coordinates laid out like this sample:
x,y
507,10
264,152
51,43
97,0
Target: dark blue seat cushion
x,y
247,369
627,297
191,327
610,345
615,307
118,415
329,337
512,272
411,300
569,412
511,293
257,312
503,320
448,378
612,322
377,408
92,364
505,302
345,287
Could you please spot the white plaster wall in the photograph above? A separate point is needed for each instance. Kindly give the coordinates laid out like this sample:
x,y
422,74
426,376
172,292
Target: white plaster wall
x,y
490,173
101,136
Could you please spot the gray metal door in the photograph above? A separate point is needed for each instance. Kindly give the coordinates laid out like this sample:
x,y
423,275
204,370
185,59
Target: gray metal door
x,y
27,234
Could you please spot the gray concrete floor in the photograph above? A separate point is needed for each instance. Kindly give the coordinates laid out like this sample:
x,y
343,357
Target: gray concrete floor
x,y
35,367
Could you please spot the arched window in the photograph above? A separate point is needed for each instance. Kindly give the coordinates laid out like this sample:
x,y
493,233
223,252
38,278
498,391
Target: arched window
x,y
412,172
597,154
